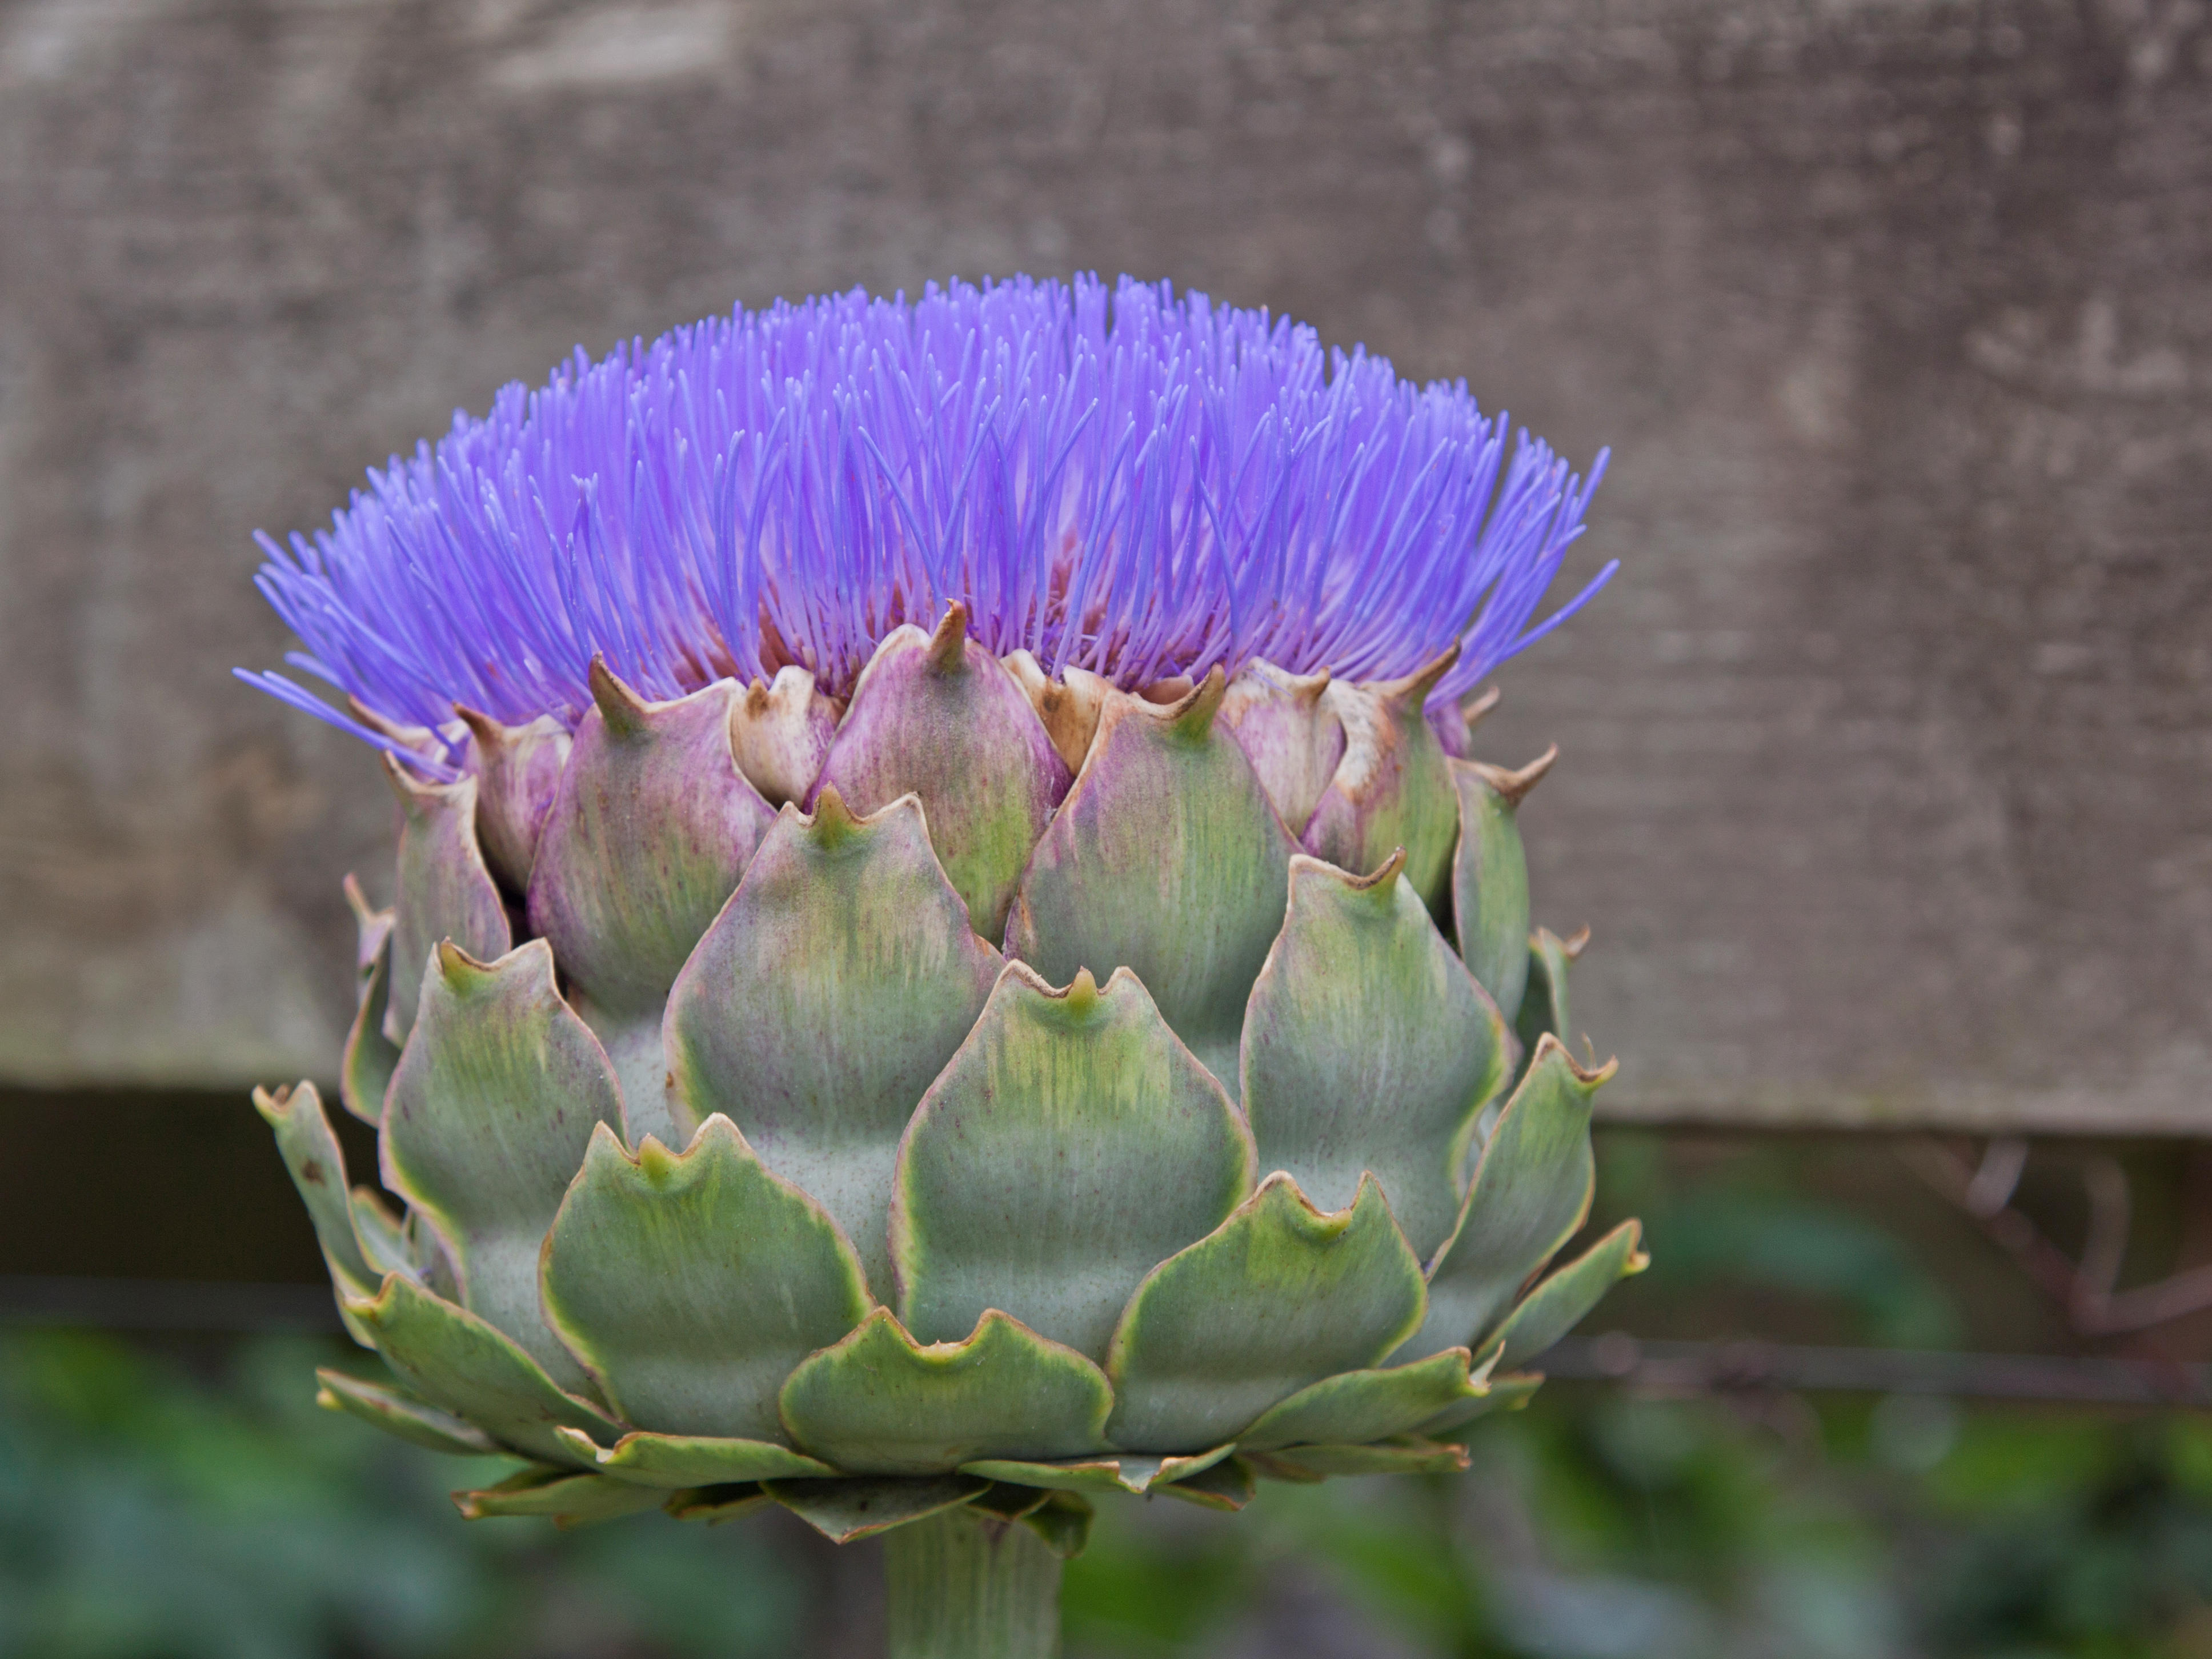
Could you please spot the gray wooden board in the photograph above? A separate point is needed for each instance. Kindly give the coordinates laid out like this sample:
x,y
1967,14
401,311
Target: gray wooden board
x,y
1885,779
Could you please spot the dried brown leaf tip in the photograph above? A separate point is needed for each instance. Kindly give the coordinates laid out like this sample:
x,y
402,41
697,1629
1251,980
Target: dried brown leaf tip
x,y
1415,687
1590,1074
1192,715
948,646
622,708
1381,878
1516,785
363,911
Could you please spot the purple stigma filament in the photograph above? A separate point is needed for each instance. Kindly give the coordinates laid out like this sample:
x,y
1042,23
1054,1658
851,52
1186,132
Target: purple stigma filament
x,y
1123,480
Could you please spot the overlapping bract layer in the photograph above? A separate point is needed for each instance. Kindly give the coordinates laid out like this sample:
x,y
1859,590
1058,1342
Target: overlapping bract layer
x,y
1021,1105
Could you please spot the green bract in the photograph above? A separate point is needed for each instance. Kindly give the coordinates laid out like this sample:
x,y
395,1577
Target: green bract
x,y
994,1089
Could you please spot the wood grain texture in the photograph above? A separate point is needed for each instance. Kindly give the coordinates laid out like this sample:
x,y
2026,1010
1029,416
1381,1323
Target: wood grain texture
x,y
1884,777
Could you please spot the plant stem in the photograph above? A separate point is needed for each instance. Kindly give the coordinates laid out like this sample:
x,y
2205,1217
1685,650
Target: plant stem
x,y
965,1586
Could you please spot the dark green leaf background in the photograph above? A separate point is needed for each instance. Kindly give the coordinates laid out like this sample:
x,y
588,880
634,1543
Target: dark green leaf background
x,y
185,1498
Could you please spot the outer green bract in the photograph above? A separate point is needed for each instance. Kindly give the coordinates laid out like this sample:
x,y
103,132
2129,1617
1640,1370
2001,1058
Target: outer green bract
x,y
1035,1106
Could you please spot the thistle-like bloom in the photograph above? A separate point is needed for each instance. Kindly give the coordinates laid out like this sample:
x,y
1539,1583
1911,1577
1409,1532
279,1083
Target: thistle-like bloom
x,y
1142,490
947,951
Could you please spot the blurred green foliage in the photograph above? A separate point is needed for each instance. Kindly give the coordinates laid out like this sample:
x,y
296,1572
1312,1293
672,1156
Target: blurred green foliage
x,y
1599,1525
160,1506
186,1500
154,1509
1778,1238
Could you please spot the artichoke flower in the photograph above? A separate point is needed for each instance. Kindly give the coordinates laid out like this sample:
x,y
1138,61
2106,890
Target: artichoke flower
x,y
948,953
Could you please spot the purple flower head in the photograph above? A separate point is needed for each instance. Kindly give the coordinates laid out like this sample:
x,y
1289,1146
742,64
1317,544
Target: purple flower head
x,y
1127,481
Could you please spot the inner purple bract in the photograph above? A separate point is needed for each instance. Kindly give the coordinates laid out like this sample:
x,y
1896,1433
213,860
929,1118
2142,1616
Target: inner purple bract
x,y
1124,480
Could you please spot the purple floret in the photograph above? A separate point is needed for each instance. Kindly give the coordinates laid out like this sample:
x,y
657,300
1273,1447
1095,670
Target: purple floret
x,y
1126,481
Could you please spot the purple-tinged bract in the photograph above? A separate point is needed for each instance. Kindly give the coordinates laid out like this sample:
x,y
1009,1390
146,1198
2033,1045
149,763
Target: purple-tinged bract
x,y
1126,481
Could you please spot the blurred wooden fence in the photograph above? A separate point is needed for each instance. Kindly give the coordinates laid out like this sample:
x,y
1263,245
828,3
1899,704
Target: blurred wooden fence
x,y
1885,784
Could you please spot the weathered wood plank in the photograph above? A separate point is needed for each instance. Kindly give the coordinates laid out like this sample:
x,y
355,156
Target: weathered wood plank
x,y
1886,781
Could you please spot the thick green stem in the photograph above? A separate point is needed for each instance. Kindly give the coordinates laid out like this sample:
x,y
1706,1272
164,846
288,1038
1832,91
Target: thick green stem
x,y
965,1586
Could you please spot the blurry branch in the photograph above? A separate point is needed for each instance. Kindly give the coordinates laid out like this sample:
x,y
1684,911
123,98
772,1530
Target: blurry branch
x,y
1701,1368
2084,1289
2107,1245
1995,1181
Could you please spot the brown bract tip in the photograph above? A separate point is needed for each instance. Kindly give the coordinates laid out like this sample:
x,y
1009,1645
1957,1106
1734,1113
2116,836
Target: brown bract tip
x,y
488,731
1378,880
1192,716
413,737
1416,686
1081,996
1515,786
1638,1257
464,973
832,820
275,1105
1472,709
948,646
1284,1180
1300,690
454,963
1572,946
363,913
622,708
415,792
1590,1076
